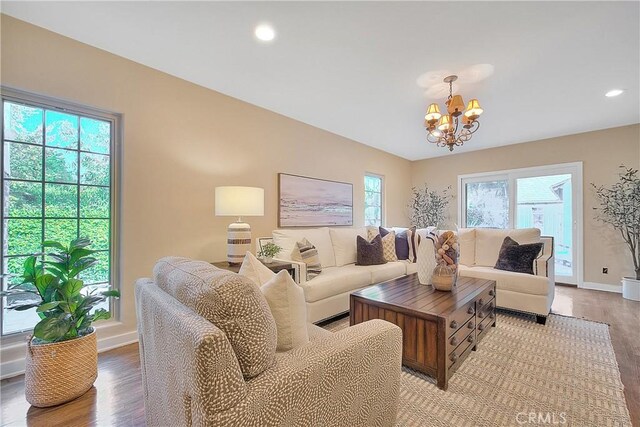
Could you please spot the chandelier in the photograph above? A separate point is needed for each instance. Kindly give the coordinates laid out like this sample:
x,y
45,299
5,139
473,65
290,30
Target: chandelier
x,y
445,130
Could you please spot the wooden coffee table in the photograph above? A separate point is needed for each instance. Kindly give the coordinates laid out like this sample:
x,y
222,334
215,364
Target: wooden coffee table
x,y
439,329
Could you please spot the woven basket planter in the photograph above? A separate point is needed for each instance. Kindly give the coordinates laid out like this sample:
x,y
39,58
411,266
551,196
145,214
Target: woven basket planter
x,y
59,372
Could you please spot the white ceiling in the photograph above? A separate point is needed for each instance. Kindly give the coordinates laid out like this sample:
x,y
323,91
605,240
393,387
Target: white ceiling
x,y
351,68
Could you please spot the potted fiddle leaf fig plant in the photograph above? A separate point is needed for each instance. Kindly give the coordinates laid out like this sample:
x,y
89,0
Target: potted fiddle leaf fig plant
x,y
62,359
620,208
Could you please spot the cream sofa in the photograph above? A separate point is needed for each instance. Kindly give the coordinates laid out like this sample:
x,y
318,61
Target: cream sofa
x,y
479,249
328,294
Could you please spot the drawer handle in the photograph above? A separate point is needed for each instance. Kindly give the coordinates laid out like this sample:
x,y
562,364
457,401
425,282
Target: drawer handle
x,y
470,339
470,310
454,341
454,324
492,306
492,316
481,301
492,292
481,328
471,325
453,357
481,314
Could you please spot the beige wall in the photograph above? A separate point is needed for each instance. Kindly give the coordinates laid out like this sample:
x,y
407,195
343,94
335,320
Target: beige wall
x,y
601,153
180,142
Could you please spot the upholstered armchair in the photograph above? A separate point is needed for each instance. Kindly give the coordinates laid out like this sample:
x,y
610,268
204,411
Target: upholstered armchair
x,y
192,374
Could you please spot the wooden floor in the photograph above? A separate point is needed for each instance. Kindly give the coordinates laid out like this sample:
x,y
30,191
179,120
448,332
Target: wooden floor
x,y
116,399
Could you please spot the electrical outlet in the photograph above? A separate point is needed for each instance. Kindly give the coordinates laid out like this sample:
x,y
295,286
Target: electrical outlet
x,y
605,270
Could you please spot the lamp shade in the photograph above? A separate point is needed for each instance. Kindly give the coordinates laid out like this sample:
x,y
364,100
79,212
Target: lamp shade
x,y
239,201
473,109
433,113
445,123
455,106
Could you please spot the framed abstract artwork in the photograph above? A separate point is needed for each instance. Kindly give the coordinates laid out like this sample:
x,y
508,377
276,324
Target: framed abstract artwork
x,y
313,202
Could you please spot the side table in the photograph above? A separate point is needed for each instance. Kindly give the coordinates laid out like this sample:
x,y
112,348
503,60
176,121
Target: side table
x,y
274,266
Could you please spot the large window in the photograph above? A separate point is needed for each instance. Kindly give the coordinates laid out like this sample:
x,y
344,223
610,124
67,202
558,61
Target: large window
x,y
546,197
373,188
57,184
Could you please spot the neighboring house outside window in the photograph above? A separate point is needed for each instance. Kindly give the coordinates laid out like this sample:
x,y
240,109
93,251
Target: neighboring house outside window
x,y
373,199
58,177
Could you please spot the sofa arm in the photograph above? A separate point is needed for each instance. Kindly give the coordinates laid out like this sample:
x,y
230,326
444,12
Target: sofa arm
x,y
349,378
545,263
300,268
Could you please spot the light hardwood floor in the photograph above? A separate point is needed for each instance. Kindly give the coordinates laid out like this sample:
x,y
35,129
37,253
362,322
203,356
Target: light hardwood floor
x,y
116,399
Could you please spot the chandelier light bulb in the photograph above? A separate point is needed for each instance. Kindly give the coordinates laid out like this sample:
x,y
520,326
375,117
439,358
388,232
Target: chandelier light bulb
x,y
473,109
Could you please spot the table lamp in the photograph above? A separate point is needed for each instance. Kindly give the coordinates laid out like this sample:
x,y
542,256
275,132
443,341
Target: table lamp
x,y
239,202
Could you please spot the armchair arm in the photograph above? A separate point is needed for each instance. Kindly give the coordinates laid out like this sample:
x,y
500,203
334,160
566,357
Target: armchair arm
x,y
185,361
545,263
349,378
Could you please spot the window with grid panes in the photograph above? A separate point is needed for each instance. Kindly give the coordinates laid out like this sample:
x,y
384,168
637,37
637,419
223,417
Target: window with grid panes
x,y
57,184
373,200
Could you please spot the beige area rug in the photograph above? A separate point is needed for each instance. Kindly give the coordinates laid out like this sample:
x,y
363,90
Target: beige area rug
x,y
561,374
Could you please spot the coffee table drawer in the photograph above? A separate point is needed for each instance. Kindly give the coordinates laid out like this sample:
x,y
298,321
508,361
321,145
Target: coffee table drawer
x,y
460,317
484,326
487,296
460,335
488,310
457,355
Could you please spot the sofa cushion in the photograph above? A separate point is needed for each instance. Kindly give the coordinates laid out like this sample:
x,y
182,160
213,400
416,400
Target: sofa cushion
x,y
369,253
305,252
517,258
390,270
489,242
230,301
467,245
336,280
286,300
508,280
344,244
255,270
319,237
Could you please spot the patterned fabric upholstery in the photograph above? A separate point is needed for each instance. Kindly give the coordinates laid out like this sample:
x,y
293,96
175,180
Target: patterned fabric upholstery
x,y
389,247
304,251
231,302
192,377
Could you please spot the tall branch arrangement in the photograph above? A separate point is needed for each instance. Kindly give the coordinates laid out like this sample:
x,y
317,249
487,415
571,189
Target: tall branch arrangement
x,y
620,208
429,207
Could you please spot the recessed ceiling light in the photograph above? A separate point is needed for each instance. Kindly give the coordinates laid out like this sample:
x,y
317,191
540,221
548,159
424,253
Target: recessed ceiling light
x,y
265,32
613,92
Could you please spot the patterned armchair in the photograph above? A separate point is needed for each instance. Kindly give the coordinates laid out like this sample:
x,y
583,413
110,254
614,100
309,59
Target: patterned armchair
x,y
192,376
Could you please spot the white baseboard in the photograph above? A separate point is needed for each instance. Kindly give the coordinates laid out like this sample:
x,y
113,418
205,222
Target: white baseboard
x,y
16,367
606,287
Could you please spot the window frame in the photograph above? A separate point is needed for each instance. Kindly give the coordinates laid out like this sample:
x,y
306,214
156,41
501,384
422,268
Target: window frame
x,y
55,104
512,175
382,196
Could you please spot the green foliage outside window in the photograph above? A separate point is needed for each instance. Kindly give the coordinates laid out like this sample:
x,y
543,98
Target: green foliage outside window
x,y
66,197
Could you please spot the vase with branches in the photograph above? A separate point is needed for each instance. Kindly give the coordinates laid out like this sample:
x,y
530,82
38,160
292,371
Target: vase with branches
x,y
620,208
429,207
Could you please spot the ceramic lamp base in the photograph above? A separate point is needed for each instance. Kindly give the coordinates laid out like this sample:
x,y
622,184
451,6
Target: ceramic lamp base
x,y
238,242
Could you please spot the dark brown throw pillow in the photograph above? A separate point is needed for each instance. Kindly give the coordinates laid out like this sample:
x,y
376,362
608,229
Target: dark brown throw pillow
x,y
369,253
516,257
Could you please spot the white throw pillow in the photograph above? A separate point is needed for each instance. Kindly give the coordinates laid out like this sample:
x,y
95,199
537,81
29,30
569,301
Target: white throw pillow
x,y
288,307
255,270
